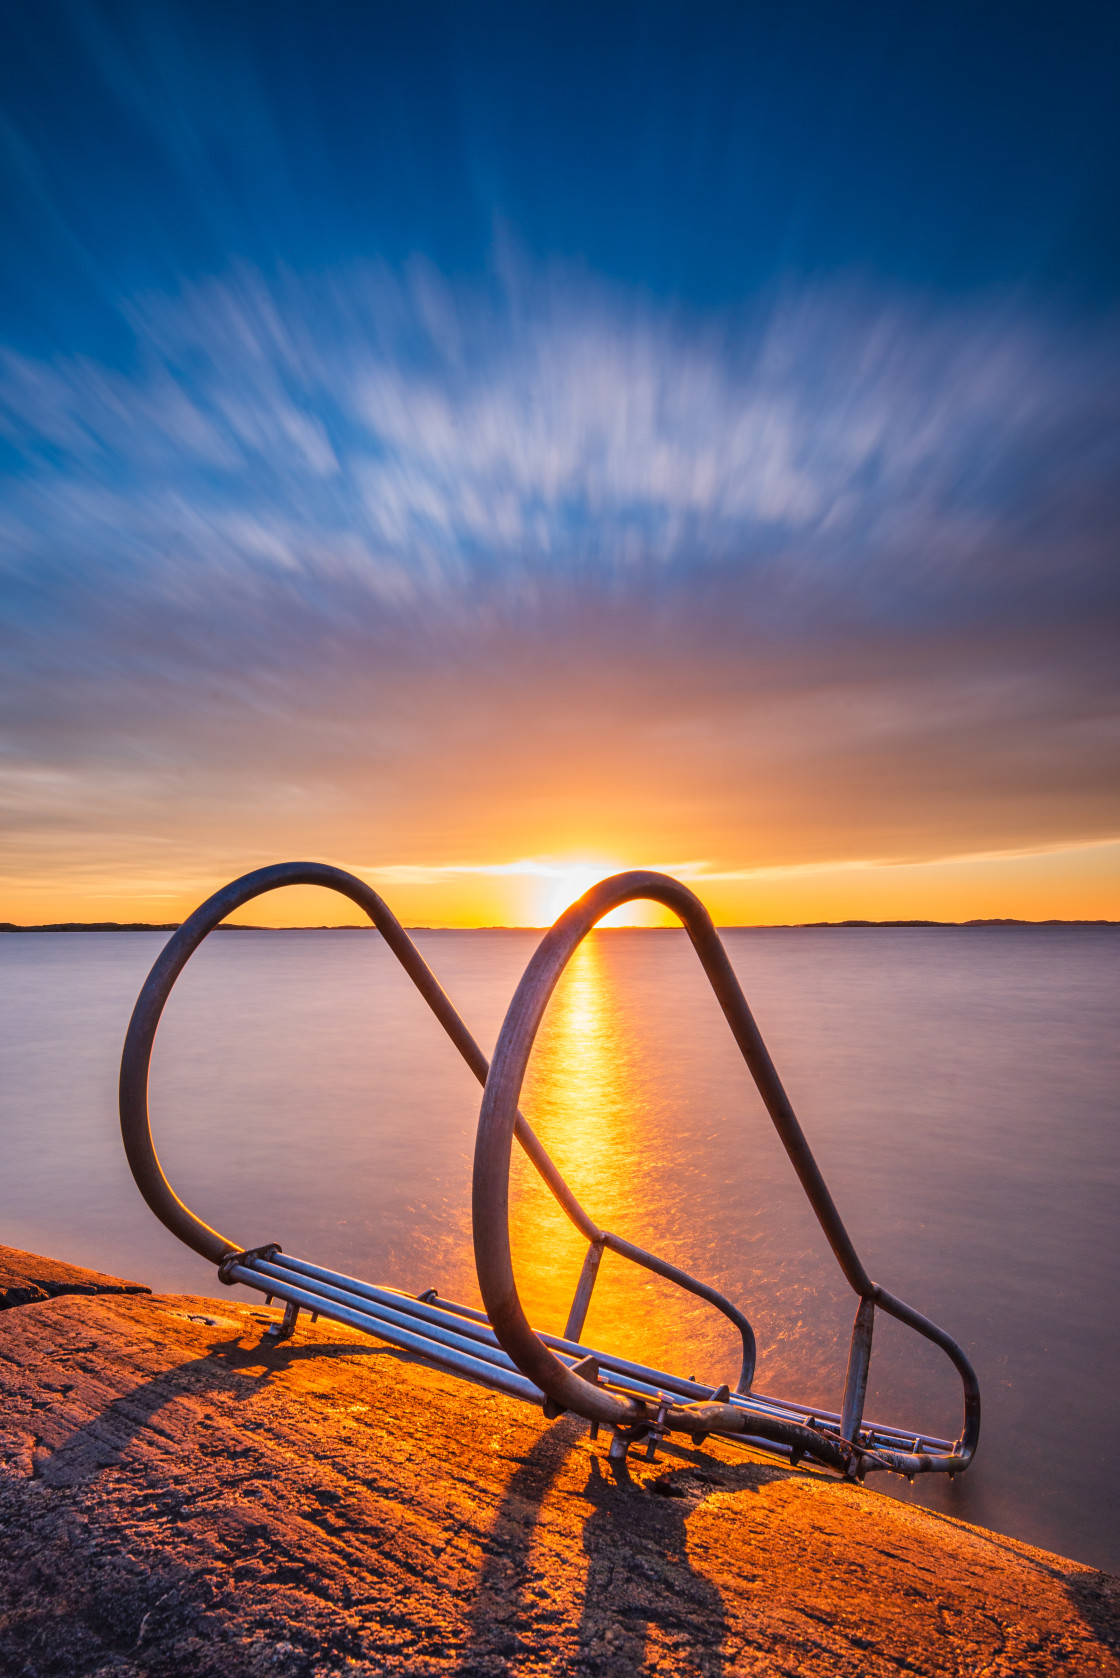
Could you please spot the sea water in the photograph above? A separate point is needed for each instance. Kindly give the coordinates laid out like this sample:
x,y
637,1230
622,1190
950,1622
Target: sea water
x,y
958,1085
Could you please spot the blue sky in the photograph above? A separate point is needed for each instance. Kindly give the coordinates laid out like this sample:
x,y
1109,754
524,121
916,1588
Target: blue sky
x,y
437,435
695,153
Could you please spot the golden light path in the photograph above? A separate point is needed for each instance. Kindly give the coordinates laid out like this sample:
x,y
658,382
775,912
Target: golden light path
x,y
590,1095
638,1093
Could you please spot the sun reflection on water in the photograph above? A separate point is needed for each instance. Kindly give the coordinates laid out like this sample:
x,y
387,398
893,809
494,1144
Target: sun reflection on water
x,y
588,1095
640,1096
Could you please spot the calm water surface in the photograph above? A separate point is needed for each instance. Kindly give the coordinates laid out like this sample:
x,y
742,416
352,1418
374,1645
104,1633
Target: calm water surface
x,y
959,1087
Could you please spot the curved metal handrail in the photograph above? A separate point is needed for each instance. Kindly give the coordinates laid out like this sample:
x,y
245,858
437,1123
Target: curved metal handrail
x,y
848,1450
136,1061
138,1044
136,1058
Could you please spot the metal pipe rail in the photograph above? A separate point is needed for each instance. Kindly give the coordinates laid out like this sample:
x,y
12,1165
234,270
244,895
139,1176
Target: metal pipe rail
x,y
460,1340
136,1063
858,1449
136,1129
501,1349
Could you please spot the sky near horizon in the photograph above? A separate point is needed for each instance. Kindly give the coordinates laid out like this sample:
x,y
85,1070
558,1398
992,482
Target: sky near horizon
x,y
488,447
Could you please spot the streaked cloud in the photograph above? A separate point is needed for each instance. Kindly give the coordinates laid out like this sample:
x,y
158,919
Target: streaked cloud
x,y
547,422
404,568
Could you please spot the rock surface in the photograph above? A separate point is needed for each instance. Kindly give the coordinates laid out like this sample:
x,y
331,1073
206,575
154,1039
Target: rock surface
x,y
177,1499
26,1277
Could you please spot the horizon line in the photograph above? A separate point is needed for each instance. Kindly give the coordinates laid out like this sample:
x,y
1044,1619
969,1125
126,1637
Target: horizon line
x,y
731,926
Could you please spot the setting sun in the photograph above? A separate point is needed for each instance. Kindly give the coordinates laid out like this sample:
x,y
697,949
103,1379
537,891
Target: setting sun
x,y
566,883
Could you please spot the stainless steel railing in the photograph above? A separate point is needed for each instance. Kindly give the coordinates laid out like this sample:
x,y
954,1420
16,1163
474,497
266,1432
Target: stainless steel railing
x,y
500,1348
496,1127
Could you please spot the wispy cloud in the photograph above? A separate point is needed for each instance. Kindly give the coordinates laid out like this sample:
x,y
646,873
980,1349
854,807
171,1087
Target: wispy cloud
x,y
412,549
548,424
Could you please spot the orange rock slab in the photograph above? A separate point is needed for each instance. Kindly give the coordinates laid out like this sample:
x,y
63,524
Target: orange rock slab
x,y
177,1499
27,1277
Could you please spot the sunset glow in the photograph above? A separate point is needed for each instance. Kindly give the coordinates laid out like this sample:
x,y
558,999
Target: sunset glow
x,y
409,472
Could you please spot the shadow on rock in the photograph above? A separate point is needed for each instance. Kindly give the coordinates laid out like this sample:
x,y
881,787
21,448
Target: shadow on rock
x,y
228,1367
640,1602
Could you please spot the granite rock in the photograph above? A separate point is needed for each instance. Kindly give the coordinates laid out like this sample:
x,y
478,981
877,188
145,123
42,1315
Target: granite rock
x,y
27,1277
178,1499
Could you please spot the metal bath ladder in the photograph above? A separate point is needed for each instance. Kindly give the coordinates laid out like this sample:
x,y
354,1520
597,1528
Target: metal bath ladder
x,y
498,1347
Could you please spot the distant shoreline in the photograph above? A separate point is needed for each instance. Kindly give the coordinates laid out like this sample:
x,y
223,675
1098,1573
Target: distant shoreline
x,y
762,926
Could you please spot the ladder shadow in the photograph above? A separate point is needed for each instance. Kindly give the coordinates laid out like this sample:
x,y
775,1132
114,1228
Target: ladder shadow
x,y
640,1594
103,1441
